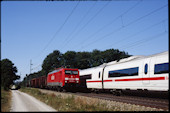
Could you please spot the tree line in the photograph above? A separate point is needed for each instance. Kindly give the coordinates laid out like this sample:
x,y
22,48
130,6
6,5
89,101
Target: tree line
x,y
80,60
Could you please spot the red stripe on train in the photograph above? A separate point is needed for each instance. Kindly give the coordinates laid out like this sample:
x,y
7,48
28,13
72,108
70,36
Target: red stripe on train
x,y
101,81
132,79
139,79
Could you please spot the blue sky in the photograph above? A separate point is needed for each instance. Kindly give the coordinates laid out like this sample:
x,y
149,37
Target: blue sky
x,y
30,30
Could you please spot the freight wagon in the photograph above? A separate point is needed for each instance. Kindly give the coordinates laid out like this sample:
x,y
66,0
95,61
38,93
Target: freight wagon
x,y
43,81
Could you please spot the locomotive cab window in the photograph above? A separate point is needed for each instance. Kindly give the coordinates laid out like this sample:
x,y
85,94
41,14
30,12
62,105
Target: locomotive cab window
x,y
99,74
161,68
75,72
146,68
69,72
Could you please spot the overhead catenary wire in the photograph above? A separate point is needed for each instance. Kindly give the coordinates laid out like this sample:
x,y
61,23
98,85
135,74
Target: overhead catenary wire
x,y
78,24
111,22
144,40
99,11
130,23
137,33
60,28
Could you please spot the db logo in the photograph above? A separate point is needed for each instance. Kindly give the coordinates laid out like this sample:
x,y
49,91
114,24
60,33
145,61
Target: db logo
x,y
52,77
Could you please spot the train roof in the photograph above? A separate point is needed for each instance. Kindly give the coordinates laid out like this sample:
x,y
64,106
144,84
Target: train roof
x,y
114,62
137,57
59,69
124,60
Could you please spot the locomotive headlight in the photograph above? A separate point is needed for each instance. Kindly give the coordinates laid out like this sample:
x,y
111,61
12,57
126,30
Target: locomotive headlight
x,y
77,78
66,78
65,81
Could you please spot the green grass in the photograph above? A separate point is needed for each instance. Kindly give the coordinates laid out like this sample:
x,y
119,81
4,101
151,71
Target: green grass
x,y
5,100
69,103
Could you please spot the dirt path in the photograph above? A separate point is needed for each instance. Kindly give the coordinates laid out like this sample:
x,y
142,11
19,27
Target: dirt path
x,y
24,102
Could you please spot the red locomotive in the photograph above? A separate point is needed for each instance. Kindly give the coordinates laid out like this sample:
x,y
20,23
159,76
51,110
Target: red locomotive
x,y
59,79
63,78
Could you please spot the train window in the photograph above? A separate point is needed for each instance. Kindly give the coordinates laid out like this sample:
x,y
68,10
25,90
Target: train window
x,y
85,76
75,72
124,72
67,71
146,68
99,74
161,68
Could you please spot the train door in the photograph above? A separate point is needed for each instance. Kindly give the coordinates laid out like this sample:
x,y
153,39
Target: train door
x,y
146,72
96,81
103,76
98,78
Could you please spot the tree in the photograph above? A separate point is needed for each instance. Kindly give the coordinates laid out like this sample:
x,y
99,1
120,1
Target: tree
x,y
8,73
96,58
70,59
83,60
53,60
112,55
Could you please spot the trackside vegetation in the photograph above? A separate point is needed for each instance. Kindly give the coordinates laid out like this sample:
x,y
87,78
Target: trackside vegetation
x,y
69,103
5,100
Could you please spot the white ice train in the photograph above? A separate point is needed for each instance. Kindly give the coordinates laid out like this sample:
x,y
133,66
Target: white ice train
x,y
132,73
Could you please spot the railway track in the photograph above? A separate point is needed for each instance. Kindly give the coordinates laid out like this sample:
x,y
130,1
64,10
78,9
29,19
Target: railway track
x,y
143,101
159,103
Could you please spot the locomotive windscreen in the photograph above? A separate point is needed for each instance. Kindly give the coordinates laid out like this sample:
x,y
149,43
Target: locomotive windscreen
x,y
75,72
71,72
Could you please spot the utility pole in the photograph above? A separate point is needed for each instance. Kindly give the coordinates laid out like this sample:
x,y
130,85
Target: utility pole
x,y
30,65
